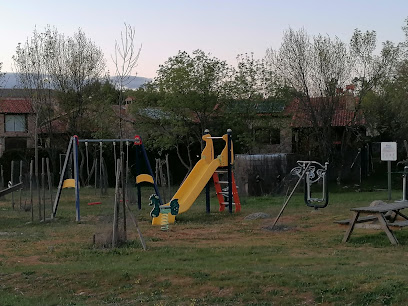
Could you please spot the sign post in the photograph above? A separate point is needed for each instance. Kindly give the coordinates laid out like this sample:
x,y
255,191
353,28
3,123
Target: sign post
x,y
389,154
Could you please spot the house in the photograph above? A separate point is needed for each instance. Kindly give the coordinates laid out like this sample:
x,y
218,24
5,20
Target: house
x,y
107,122
268,122
17,124
300,130
308,121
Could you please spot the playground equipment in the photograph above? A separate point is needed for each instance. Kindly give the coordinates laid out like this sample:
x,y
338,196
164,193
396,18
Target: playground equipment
x,y
312,171
313,175
205,169
73,149
404,185
163,210
68,183
11,189
24,184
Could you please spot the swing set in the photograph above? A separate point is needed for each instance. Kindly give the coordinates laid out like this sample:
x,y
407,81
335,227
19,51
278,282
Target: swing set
x,y
72,153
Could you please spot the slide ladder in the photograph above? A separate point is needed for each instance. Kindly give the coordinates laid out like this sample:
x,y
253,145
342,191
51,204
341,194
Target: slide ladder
x,y
222,193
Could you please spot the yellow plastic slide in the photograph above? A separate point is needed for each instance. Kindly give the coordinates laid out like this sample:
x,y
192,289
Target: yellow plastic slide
x,y
197,179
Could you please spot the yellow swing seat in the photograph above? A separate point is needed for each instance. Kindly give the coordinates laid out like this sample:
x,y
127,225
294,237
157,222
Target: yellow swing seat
x,y
144,178
68,183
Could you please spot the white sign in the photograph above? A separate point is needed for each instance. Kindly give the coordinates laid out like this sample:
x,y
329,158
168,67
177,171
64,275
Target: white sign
x,y
389,151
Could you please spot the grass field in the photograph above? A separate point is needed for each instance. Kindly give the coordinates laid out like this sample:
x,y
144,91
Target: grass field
x,y
216,259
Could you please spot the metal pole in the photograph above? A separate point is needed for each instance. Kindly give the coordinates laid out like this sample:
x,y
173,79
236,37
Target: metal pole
x,y
76,177
12,183
389,179
207,188
31,191
64,167
100,167
139,192
96,173
307,187
20,180
124,197
2,177
229,144
404,184
127,170
116,206
47,161
168,175
43,185
290,196
114,154
87,160
105,140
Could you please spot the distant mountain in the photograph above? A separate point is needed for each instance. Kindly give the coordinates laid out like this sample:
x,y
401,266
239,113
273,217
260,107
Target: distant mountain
x,y
10,81
134,82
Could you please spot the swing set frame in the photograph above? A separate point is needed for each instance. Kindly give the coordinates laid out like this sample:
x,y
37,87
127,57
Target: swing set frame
x,y
73,148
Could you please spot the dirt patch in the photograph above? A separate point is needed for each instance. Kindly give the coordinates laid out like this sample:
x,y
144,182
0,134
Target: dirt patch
x,y
258,215
278,228
28,261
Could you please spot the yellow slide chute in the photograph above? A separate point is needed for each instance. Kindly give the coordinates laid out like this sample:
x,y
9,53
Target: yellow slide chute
x,y
195,182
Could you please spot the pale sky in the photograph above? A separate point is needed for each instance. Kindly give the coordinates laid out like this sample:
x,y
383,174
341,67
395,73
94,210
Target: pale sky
x,y
224,28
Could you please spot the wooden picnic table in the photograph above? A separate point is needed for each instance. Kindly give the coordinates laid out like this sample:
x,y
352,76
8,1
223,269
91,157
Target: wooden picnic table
x,y
379,213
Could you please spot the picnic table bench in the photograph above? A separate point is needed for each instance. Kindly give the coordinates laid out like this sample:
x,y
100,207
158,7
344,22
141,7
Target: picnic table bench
x,y
381,213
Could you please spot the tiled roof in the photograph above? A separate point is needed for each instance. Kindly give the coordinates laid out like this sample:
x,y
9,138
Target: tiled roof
x,y
342,116
345,117
16,106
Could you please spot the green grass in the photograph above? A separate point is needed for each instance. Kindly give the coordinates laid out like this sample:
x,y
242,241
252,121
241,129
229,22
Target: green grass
x,y
215,259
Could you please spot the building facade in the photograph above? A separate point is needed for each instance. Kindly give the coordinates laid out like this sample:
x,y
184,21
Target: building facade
x,y
17,124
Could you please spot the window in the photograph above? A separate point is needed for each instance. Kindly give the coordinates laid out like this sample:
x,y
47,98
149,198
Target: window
x,y
12,143
268,136
15,123
275,136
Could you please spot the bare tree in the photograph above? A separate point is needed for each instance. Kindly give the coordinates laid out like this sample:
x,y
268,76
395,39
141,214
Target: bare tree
x,y
125,60
30,65
50,61
315,67
73,64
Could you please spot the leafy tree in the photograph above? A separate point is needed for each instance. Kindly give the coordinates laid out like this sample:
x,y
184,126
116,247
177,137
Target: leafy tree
x,y
73,64
371,70
99,97
183,101
384,102
253,90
